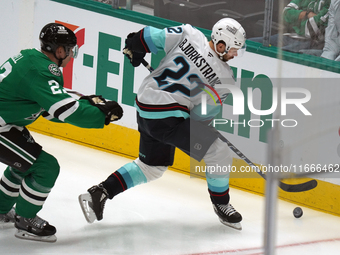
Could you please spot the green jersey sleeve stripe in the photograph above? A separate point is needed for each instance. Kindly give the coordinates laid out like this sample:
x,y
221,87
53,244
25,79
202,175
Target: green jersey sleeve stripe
x,y
67,110
55,108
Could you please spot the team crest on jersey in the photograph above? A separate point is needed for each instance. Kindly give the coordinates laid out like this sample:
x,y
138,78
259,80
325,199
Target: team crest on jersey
x,y
54,69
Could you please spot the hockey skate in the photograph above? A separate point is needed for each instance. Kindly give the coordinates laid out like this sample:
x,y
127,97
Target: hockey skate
x,y
35,229
228,215
7,219
93,202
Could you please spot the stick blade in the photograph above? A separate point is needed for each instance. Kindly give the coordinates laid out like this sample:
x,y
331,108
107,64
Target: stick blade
x,y
298,187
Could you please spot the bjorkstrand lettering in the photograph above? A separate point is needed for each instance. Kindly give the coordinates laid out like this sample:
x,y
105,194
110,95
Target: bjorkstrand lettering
x,y
200,62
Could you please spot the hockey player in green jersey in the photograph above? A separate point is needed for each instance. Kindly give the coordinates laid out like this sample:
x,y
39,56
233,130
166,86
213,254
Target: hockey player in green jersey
x,y
31,84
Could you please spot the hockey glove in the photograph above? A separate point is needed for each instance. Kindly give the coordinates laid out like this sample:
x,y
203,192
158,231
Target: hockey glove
x,y
111,109
136,43
135,48
129,41
135,58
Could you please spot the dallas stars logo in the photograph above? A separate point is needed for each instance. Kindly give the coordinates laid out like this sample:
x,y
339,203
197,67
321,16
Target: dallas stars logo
x,y
54,69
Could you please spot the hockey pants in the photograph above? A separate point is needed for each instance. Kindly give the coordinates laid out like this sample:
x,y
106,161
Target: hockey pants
x,y
28,190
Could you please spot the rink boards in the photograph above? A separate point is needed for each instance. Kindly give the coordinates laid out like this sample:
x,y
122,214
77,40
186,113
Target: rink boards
x,y
119,140
102,69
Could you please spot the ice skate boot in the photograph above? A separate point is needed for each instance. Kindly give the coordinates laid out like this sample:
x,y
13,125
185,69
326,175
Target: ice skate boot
x,y
35,229
228,215
93,202
7,219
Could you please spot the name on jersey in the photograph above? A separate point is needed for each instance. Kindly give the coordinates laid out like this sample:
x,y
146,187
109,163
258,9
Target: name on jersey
x,y
17,57
204,67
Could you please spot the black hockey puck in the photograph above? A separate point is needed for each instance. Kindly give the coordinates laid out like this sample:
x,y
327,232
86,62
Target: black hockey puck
x,y
297,212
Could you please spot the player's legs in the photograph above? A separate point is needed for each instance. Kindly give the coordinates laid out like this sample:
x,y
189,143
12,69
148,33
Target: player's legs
x,y
18,148
36,185
30,189
200,141
126,177
156,153
33,193
158,140
154,157
28,179
9,190
19,151
218,159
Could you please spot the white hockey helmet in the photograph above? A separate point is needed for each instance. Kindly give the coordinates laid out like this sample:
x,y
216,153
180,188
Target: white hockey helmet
x,y
230,32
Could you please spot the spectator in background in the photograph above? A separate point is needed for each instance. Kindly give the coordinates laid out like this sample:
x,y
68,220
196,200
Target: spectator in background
x,y
305,22
332,40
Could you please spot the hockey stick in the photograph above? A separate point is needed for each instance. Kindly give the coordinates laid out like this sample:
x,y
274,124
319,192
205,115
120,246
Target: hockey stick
x,y
144,62
74,92
147,65
284,186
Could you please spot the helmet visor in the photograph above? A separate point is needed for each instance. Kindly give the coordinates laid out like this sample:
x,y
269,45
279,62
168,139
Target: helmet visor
x,y
241,51
75,51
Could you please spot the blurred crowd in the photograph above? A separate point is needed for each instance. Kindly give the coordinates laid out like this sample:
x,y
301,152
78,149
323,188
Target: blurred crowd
x,y
310,26
105,1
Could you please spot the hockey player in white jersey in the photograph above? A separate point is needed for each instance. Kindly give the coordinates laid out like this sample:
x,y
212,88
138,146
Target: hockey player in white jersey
x,y
170,115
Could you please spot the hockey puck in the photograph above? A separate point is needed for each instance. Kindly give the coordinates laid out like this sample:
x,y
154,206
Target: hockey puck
x,y
297,212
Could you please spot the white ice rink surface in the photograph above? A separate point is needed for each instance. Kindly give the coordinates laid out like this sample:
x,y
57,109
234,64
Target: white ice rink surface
x,y
172,216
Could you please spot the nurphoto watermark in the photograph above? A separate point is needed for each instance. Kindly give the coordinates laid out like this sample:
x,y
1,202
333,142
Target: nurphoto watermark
x,y
239,105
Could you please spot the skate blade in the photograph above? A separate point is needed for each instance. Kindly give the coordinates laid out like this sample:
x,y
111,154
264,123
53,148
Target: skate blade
x,y
89,214
237,225
22,234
